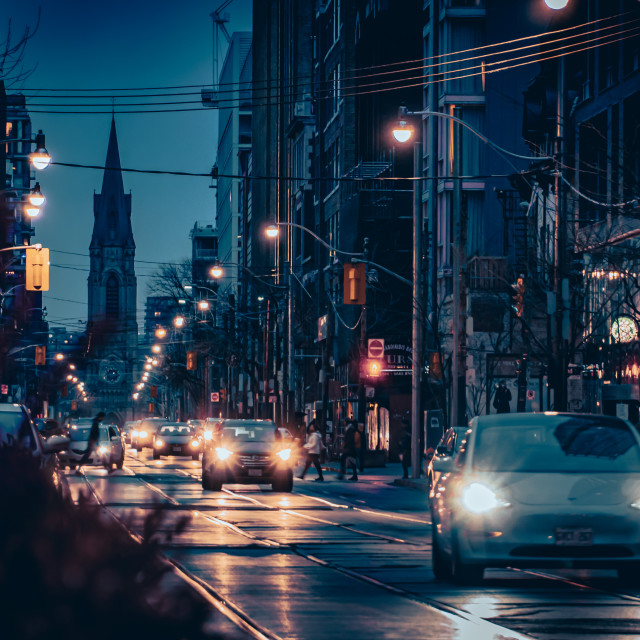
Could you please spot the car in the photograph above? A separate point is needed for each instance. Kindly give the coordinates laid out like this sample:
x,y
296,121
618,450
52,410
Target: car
x,y
198,425
444,457
247,452
109,450
48,427
127,428
143,435
17,429
540,489
176,439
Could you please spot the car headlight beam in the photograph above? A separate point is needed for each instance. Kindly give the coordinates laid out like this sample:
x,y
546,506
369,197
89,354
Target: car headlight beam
x,y
195,444
285,454
223,453
479,498
159,442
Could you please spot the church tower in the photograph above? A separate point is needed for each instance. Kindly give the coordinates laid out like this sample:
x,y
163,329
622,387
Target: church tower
x,y
112,327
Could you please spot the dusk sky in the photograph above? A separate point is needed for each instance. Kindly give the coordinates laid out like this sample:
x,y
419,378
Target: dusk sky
x,y
120,45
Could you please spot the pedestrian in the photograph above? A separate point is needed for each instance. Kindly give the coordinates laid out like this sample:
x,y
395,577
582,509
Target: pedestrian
x,y
94,435
405,447
502,398
359,442
349,452
313,448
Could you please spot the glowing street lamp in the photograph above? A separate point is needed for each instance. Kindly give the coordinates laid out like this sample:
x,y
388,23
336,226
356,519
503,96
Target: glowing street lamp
x,y
272,231
156,348
161,332
216,270
556,5
35,196
179,322
40,158
402,132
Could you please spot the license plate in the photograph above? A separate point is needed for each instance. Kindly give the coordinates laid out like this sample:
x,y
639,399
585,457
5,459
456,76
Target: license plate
x,y
177,448
254,472
577,537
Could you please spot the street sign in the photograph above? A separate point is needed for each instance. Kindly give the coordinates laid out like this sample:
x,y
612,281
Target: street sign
x,y
376,348
215,396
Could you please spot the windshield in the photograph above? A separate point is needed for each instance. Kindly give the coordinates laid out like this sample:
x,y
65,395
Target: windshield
x,y
249,433
78,434
556,444
176,431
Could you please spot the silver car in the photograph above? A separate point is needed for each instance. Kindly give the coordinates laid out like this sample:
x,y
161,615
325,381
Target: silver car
x,y
544,489
109,450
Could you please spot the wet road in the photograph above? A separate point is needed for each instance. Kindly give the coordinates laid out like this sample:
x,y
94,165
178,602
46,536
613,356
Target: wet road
x,y
345,560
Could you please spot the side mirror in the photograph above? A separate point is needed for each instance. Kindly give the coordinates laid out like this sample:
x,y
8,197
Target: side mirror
x,y
55,444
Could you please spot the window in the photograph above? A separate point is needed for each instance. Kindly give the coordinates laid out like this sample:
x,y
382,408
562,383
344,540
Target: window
x,y
112,298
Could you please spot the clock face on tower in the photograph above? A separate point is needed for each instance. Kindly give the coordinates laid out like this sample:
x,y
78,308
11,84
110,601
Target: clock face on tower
x,y
112,371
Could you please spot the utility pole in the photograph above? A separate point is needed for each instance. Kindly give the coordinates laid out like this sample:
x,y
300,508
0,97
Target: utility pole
x,y
560,282
458,258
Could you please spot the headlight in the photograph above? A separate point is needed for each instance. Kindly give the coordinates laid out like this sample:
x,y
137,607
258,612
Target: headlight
x,y
478,498
143,434
208,435
195,444
285,454
223,453
102,450
134,434
159,443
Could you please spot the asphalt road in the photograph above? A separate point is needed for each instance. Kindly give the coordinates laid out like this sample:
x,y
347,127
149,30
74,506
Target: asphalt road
x,y
345,560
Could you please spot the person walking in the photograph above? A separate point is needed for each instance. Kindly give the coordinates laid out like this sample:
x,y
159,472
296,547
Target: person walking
x,y
502,399
359,442
349,452
313,448
94,435
405,448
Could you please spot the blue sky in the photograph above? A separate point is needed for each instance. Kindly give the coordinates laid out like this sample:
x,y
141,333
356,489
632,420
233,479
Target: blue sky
x,y
111,45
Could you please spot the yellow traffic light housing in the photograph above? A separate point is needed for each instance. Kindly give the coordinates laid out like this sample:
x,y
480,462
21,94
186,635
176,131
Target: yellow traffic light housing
x,y
41,355
37,269
374,368
192,361
355,283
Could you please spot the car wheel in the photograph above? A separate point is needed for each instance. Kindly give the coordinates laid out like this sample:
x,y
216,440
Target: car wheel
x,y
120,462
195,456
463,573
284,485
441,563
156,456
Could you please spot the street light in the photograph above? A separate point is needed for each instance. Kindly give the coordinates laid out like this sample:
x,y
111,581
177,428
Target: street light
x,y
556,4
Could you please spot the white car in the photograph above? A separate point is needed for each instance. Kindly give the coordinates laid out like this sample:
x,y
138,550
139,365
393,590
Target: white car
x,y
443,459
109,450
540,489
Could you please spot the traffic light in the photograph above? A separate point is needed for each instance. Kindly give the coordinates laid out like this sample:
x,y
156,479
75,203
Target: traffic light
x,y
355,283
192,361
517,296
372,368
41,355
37,269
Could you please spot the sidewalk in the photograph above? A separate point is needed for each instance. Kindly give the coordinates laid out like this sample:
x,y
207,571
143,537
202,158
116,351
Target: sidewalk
x,y
391,474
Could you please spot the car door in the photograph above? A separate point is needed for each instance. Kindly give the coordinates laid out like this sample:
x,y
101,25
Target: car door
x,y
116,442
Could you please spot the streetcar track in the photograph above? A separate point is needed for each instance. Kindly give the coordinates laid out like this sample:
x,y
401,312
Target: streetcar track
x,y
426,601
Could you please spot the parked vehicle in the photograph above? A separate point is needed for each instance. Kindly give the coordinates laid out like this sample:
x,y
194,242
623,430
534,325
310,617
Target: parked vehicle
x,y
176,439
109,450
443,459
17,429
247,452
540,489
143,435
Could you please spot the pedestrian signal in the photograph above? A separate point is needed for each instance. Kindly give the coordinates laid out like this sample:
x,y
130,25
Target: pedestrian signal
x,y
192,361
41,355
37,269
374,368
355,283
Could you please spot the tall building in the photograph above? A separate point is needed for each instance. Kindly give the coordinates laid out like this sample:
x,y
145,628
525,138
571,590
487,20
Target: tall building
x,y
112,327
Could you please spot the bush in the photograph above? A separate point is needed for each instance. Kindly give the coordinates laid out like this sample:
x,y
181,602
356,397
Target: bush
x,y
66,570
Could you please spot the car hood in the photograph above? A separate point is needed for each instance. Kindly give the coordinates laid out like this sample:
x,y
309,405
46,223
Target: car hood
x,y
246,448
567,488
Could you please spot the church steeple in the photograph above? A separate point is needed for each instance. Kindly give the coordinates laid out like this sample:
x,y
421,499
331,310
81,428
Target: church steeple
x,y
112,207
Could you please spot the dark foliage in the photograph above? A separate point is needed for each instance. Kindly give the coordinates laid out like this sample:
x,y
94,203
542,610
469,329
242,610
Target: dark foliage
x,y
70,571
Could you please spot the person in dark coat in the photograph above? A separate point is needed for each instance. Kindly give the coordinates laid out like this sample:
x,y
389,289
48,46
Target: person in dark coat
x,y
349,452
502,399
94,435
405,447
